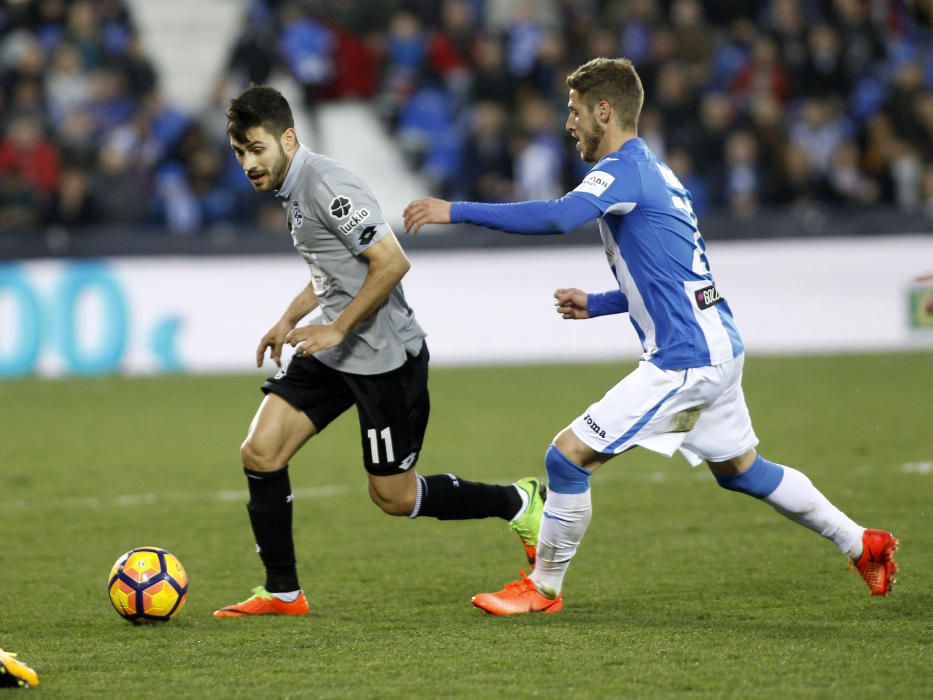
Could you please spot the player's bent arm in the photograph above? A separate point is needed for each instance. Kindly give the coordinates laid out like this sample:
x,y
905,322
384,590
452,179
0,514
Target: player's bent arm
x,y
387,266
301,306
604,303
536,217
274,339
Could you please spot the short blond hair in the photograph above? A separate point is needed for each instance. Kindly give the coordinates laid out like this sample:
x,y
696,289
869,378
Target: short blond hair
x,y
614,80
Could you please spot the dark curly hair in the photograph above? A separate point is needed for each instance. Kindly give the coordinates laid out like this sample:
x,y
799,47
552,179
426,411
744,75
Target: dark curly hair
x,y
259,106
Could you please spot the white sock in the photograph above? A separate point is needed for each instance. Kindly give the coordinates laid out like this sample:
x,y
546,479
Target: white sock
x,y
798,499
566,517
287,596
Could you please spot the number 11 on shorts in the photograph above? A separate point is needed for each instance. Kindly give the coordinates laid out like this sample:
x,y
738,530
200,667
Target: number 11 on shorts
x,y
386,435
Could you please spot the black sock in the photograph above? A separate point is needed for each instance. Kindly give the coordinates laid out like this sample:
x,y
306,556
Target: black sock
x,y
448,497
270,513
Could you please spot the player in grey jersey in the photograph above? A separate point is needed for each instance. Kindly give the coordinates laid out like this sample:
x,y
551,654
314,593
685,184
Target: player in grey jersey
x,y
366,350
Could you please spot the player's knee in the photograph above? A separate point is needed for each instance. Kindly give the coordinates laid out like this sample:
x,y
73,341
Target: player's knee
x,y
257,456
391,502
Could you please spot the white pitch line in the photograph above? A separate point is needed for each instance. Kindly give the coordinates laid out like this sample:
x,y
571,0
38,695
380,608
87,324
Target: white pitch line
x,y
137,499
917,467
606,473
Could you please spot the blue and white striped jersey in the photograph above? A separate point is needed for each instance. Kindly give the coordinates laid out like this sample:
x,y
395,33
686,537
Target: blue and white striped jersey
x,y
659,259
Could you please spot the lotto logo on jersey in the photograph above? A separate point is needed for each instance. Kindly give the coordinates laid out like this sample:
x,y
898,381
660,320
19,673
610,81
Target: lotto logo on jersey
x,y
595,183
707,297
340,206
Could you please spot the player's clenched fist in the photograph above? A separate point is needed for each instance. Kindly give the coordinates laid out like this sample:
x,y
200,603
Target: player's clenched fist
x,y
427,210
571,303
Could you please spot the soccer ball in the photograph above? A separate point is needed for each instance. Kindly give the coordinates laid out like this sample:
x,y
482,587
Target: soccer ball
x,y
148,584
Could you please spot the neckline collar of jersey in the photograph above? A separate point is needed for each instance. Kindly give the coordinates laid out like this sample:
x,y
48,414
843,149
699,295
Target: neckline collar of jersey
x,y
632,144
301,155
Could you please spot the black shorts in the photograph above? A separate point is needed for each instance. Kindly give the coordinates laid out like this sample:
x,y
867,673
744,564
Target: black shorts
x,y
393,407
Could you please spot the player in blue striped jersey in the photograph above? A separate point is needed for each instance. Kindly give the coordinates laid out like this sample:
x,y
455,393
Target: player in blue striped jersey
x,y
686,392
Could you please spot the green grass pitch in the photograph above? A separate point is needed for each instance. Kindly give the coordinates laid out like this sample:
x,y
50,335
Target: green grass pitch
x,y
679,588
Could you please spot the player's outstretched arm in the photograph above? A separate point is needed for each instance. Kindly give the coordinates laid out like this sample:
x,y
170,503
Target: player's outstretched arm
x,y
571,303
427,210
536,217
274,339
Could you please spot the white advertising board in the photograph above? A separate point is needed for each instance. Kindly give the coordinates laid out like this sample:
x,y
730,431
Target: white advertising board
x,y
146,315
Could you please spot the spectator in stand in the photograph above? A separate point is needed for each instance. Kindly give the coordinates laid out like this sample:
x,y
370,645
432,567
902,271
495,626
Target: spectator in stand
x,y
307,47
66,82
83,30
253,57
524,35
638,21
676,99
680,162
859,38
819,129
788,30
22,61
491,81
900,105
139,74
448,47
846,183
733,54
539,156
766,121
798,185
73,206
743,178
694,39
762,72
110,104
29,160
487,159
651,128
824,72
119,192
717,118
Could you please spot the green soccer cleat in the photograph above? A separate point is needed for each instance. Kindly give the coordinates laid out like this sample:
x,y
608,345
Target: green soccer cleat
x,y
14,673
528,524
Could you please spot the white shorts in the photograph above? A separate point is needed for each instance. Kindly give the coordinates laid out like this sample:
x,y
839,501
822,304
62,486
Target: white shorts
x,y
700,411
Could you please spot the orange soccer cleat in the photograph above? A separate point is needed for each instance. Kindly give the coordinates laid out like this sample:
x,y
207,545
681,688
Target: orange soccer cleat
x,y
876,565
264,603
518,597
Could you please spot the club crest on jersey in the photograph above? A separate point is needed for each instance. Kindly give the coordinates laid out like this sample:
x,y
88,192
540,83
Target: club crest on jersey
x,y
595,183
356,218
707,297
340,206
297,216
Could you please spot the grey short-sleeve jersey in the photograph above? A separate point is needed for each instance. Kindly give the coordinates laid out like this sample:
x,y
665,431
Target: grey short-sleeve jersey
x,y
334,218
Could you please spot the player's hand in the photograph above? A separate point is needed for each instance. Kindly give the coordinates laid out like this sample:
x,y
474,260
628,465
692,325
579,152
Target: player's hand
x,y
427,210
273,340
571,303
314,338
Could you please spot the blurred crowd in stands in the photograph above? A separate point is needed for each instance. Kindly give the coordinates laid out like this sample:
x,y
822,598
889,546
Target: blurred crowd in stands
x,y
752,103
